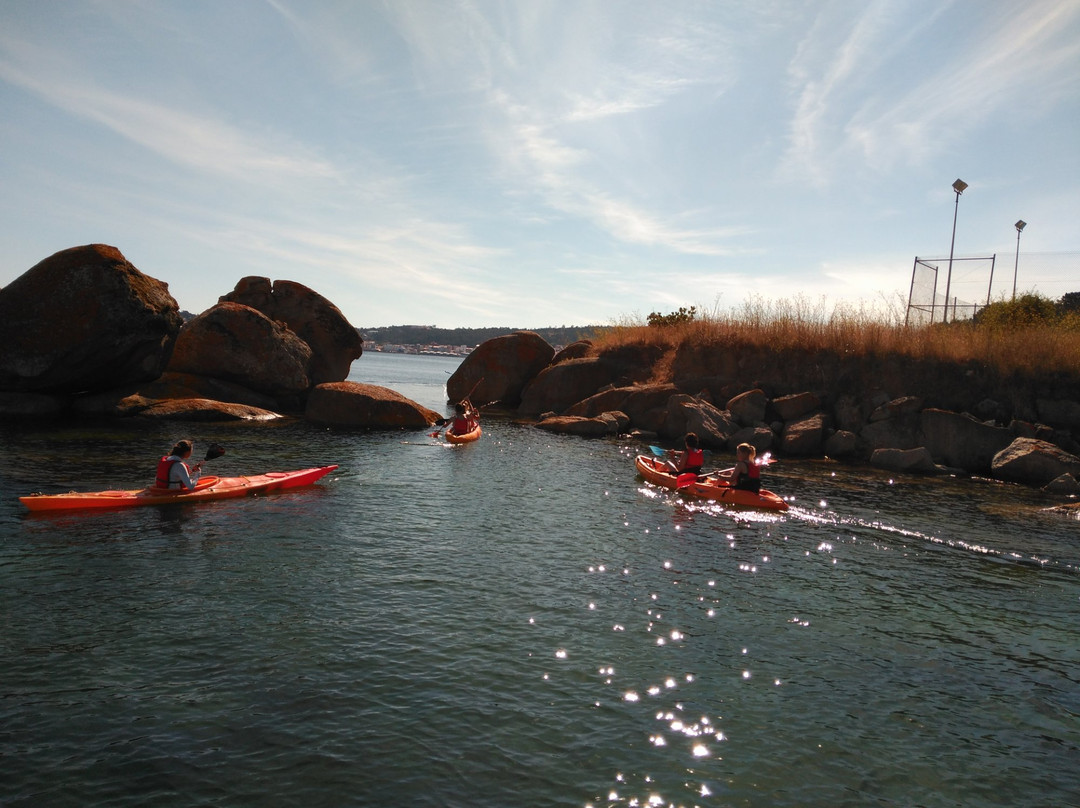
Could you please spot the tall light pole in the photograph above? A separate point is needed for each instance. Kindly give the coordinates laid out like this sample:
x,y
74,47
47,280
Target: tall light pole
x,y
1020,225
959,187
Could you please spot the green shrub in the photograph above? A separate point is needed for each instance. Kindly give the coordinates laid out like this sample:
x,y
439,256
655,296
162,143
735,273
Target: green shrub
x,y
683,315
1028,310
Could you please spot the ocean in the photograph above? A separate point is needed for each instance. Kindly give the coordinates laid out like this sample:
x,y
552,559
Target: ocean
x,y
523,622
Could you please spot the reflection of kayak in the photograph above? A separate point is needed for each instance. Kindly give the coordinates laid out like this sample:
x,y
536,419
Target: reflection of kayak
x,y
467,437
206,489
654,471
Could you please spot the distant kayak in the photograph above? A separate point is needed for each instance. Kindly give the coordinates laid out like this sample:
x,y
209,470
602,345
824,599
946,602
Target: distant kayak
x,y
467,437
208,488
654,471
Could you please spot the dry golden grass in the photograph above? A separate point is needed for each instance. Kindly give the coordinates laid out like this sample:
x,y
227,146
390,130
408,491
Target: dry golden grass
x,y
859,331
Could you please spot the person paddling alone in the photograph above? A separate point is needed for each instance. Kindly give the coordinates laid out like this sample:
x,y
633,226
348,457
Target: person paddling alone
x,y
173,471
465,419
691,459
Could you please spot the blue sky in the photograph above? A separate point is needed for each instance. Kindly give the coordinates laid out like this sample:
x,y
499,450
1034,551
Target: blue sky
x,y
529,163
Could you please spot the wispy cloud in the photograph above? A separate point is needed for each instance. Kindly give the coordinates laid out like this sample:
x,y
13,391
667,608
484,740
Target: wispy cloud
x,y
195,141
844,104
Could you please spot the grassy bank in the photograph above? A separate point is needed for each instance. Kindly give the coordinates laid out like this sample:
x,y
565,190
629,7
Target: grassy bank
x,y
1025,336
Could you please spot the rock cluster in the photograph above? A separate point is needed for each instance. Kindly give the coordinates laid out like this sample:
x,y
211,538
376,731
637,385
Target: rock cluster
x,y
584,391
86,333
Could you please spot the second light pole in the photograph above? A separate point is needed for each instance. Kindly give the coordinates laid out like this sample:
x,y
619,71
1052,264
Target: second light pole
x,y
1020,225
959,187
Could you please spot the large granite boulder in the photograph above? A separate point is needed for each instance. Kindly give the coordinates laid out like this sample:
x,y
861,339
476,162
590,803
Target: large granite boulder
x,y
689,414
645,404
1033,461
333,341
84,320
204,410
238,344
562,385
910,460
365,406
957,439
607,423
748,409
499,369
795,406
805,435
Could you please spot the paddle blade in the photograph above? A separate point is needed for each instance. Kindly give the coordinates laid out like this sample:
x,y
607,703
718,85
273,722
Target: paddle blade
x,y
656,450
215,451
685,480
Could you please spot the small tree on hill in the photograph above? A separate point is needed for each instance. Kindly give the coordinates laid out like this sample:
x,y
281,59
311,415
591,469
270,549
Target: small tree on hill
x,y
683,315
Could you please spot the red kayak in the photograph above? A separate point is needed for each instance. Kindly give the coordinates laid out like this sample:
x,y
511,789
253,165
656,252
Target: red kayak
x,y
655,472
207,488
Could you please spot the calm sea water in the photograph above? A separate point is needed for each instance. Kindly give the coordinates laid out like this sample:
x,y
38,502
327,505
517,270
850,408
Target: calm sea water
x,y
523,622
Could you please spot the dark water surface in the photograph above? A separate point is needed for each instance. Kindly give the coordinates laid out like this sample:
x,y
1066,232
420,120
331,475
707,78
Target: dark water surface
x,y
523,622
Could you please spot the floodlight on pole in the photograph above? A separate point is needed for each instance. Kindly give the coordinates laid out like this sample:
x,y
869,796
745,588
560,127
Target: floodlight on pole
x,y
1020,225
959,187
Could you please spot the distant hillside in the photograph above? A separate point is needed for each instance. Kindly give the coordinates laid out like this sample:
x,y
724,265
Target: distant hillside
x,y
471,337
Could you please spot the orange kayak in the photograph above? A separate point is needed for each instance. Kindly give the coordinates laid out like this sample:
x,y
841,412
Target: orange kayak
x,y
467,437
207,488
655,472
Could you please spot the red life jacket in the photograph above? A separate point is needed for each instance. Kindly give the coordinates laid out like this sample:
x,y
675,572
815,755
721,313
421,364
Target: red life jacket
x,y
750,480
164,468
695,459
462,425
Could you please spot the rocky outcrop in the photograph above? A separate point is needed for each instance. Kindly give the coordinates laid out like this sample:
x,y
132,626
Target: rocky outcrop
x,y
365,406
689,414
907,460
646,405
957,439
1033,461
748,409
84,320
804,435
333,341
203,409
560,386
607,423
499,369
235,343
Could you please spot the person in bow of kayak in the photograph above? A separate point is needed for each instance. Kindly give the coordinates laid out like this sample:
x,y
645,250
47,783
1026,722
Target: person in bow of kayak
x,y
746,474
691,459
174,472
465,419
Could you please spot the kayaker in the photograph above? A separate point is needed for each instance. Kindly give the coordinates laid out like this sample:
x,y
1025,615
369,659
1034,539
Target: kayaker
x,y
691,459
746,474
174,472
465,419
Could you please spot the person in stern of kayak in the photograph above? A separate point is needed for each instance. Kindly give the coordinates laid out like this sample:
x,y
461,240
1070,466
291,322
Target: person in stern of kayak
x,y
746,474
173,472
691,459
465,419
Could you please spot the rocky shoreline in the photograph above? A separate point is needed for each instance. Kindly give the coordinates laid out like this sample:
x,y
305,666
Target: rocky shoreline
x,y
88,334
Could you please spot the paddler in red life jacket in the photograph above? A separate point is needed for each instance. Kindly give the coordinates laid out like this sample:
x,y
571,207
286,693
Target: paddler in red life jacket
x,y
465,419
691,459
173,472
746,474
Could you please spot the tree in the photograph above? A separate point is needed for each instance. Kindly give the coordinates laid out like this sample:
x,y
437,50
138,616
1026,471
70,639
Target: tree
x,y
683,315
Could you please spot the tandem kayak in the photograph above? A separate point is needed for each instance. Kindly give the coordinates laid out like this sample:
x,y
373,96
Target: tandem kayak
x,y
467,437
654,471
207,488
